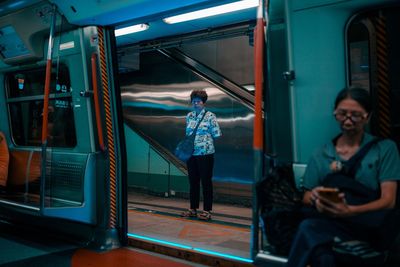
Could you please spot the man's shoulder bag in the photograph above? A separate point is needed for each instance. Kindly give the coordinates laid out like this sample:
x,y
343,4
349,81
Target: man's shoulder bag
x,y
185,148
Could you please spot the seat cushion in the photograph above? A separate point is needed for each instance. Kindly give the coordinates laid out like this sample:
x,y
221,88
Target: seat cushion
x,y
4,160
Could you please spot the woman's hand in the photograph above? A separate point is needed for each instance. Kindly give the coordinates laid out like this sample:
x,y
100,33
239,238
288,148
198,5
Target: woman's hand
x,y
332,208
342,209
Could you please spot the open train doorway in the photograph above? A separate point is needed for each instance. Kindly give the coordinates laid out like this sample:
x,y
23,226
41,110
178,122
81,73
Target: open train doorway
x,y
156,79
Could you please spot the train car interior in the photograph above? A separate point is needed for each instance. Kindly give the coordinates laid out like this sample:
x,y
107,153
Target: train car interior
x,y
94,94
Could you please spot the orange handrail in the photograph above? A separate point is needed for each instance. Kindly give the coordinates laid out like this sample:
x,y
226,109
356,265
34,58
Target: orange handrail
x,y
258,139
96,101
46,102
258,135
46,109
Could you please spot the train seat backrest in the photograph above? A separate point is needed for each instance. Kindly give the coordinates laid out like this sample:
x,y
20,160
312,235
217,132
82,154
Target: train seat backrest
x,y
4,160
24,167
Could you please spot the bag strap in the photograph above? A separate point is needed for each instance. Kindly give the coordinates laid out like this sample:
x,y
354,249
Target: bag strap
x,y
197,126
351,166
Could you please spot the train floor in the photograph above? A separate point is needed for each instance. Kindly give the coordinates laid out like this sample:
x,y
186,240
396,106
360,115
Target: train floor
x,y
227,234
158,218
22,247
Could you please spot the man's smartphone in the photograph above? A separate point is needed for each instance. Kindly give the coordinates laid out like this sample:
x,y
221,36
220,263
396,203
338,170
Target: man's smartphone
x,y
331,194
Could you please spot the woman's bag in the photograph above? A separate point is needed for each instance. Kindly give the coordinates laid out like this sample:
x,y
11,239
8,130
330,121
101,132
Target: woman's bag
x,y
355,192
280,204
185,148
383,222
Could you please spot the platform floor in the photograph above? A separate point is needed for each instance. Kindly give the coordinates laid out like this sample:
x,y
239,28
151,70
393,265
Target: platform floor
x,y
151,216
158,217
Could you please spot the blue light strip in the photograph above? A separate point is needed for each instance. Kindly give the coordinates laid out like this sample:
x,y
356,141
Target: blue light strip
x,y
159,241
190,248
205,251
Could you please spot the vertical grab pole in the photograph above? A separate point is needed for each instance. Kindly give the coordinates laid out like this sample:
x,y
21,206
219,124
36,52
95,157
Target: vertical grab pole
x,y
96,102
46,109
258,134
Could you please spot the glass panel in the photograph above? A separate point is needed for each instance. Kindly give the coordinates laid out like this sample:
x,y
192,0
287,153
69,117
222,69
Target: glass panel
x,y
26,118
64,177
25,91
374,60
358,45
31,82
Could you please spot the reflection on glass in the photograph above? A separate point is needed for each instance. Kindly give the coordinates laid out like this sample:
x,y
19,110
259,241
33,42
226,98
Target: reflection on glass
x,y
358,45
25,97
23,180
64,177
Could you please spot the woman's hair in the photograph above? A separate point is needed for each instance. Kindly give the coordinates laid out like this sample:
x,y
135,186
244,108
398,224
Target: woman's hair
x,y
360,95
199,94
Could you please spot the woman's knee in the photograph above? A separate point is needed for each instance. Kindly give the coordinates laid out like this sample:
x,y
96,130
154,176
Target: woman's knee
x,y
308,224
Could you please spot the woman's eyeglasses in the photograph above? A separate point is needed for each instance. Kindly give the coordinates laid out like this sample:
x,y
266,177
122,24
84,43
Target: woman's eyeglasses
x,y
354,116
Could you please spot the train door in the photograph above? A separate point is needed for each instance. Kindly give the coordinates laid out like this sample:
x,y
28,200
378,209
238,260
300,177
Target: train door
x,y
155,92
69,164
60,179
355,43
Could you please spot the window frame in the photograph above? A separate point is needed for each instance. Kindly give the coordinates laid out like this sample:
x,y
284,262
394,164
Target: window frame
x,y
64,96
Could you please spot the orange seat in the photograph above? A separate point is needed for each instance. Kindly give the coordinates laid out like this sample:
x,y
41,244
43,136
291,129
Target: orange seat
x,y
4,160
21,162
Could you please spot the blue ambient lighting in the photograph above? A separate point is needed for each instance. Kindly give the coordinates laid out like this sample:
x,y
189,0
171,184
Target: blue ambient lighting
x,y
160,241
205,251
15,4
191,248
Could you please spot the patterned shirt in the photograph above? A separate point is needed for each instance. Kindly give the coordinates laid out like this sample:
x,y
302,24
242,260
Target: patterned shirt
x,y
206,132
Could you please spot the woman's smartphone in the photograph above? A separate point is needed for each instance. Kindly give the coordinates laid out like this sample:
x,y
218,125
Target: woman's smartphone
x,y
331,194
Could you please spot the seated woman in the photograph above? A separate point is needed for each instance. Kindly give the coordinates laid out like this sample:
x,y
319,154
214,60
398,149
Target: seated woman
x,y
379,171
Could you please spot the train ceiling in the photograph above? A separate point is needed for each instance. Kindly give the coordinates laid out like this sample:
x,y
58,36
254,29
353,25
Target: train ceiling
x,y
151,12
129,12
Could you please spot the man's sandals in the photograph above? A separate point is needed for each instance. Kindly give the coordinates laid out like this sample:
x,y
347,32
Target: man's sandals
x,y
204,215
191,213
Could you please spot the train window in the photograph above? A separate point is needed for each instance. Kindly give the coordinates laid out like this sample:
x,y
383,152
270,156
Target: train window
x,y
25,92
358,49
373,60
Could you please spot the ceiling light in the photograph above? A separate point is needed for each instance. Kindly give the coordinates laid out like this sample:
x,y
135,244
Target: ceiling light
x,y
131,29
212,11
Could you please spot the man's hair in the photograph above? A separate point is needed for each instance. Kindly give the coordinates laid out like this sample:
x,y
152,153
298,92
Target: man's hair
x,y
202,94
